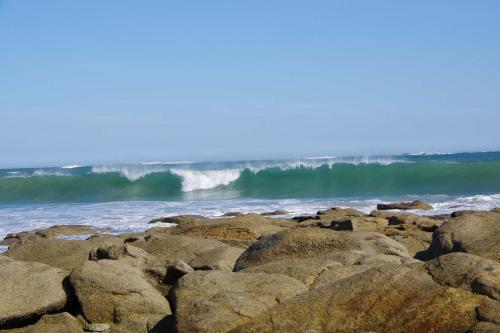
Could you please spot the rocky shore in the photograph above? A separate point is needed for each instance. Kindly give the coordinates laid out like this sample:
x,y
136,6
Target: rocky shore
x,y
339,270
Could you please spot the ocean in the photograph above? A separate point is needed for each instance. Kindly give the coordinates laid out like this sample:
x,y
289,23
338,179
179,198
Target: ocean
x,y
124,198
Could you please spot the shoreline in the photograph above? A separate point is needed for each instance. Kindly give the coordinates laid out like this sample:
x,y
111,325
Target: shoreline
x,y
133,216
260,272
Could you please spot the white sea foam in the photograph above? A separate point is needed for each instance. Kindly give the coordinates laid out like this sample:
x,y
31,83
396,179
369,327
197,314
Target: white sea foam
x,y
43,172
132,216
72,166
193,180
132,173
314,163
167,163
423,153
321,158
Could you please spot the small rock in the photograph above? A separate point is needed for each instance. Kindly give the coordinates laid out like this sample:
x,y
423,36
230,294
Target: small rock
x,y
303,218
416,204
179,219
276,212
422,222
233,214
177,270
359,223
94,327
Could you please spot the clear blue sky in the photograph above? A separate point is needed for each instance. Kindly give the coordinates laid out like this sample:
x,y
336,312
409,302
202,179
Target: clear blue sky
x,y
130,81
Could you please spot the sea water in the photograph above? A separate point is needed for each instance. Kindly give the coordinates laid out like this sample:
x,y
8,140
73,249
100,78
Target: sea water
x,y
122,198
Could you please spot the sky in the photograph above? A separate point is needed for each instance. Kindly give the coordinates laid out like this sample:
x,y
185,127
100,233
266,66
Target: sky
x,y
133,81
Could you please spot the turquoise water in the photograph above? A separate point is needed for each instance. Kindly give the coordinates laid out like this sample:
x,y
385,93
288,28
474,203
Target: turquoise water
x,y
123,198
364,177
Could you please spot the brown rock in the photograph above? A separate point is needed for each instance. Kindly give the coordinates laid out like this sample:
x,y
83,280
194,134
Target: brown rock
x,y
233,214
198,253
396,218
237,231
489,311
485,327
390,298
416,204
317,272
52,232
467,271
28,290
56,323
179,219
366,223
302,243
153,268
217,301
471,232
65,254
177,270
275,212
116,293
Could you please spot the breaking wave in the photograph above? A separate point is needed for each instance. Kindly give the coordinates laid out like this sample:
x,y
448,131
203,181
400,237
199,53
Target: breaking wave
x,y
308,178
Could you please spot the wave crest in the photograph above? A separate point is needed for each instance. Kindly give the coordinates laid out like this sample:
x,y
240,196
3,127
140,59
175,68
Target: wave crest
x,y
193,180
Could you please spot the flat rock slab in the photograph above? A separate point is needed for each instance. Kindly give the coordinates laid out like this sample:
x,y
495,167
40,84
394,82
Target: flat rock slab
x,y
29,290
321,271
416,204
302,243
51,232
65,254
217,301
242,230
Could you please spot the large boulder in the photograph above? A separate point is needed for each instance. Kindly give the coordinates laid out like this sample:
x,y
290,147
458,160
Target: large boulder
x,y
317,272
198,253
303,243
471,232
29,290
217,301
65,254
416,204
56,323
153,268
118,294
390,298
467,271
